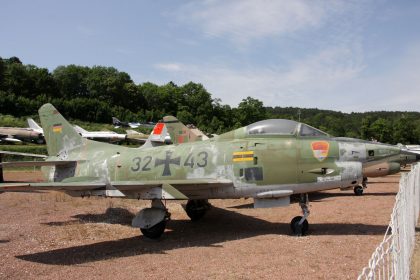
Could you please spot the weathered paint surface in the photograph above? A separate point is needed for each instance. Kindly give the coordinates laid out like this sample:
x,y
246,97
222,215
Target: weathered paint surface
x,y
246,162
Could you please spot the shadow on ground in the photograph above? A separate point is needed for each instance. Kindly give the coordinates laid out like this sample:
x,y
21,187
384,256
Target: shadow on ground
x,y
218,226
115,215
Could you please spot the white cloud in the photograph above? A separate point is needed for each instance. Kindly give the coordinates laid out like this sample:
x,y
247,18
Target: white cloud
x,y
243,20
171,67
299,85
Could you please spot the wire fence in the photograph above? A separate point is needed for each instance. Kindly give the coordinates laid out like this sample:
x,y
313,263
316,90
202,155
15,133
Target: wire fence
x,y
391,259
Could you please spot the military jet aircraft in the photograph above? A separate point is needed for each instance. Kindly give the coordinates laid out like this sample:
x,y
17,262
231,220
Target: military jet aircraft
x,y
19,134
373,166
106,136
117,123
269,161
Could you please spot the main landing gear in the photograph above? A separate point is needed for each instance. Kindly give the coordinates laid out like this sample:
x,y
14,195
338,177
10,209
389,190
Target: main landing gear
x,y
299,224
152,221
197,208
358,190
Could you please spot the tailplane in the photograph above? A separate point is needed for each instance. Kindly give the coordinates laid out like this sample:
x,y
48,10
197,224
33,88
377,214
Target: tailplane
x,y
58,132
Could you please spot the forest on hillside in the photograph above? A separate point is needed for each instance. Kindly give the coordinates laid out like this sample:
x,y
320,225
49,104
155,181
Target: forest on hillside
x,y
95,94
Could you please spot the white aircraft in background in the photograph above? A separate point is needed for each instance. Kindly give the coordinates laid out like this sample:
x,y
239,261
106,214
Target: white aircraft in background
x,y
108,136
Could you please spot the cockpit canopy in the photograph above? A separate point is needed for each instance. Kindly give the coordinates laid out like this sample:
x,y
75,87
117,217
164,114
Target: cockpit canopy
x,y
283,127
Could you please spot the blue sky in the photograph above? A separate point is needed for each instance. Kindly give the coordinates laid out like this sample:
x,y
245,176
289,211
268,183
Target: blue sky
x,y
339,55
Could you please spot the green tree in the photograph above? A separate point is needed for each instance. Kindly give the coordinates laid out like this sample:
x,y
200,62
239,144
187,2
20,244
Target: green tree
x,y
404,131
250,110
381,130
71,80
365,128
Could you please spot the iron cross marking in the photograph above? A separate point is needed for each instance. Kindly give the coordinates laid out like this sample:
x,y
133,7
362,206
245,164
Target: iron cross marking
x,y
167,162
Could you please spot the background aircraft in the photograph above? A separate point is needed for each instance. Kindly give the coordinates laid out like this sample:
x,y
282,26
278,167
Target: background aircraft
x,y
117,123
268,161
106,136
33,133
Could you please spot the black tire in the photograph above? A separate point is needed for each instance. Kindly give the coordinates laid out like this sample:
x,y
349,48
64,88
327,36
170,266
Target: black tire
x,y
155,231
299,230
195,209
358,190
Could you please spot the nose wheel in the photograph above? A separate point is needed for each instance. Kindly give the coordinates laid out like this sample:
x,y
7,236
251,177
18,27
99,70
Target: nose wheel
x,y
358,190
299,224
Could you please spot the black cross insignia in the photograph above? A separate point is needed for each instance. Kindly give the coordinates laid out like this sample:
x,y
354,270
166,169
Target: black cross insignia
x,y
167,162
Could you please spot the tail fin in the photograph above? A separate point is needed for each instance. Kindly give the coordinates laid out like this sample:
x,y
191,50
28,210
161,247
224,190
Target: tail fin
x,y
180,133
157,137
59,134
32,124
116,122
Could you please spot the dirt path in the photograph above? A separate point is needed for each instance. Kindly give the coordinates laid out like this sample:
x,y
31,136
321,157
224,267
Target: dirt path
x,y
54,236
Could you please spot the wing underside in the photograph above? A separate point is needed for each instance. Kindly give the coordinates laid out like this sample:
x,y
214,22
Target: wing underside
x,y
168,189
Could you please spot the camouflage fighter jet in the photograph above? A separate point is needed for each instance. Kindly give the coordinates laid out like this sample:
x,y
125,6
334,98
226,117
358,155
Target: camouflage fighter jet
x,y
269,161
19,134
376,158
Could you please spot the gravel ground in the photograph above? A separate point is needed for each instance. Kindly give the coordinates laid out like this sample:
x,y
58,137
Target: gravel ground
x,y
54,236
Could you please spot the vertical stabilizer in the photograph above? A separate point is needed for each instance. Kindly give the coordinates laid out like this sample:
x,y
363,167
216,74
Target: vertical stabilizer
x,y
116,122
157,137
180,133
34,126
59,134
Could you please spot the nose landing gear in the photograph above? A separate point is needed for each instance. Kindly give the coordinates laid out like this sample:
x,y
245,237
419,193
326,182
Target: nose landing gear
x,y
299,224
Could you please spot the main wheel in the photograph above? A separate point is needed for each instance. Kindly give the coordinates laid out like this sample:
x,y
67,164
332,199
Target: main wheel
x,y
155,231
358,190
195,209
299,230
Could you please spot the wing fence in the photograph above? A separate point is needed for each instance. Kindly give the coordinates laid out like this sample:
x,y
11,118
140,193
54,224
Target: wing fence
x,y
391,259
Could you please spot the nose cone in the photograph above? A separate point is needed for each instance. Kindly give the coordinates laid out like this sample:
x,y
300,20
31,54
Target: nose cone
x,y
410,156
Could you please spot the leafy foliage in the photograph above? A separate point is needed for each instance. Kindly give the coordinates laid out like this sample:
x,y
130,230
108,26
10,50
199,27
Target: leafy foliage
x,y
89,95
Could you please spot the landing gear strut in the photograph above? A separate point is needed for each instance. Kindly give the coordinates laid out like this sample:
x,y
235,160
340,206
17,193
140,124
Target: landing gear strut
x,y
197,208
299,224
152,221
358,190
